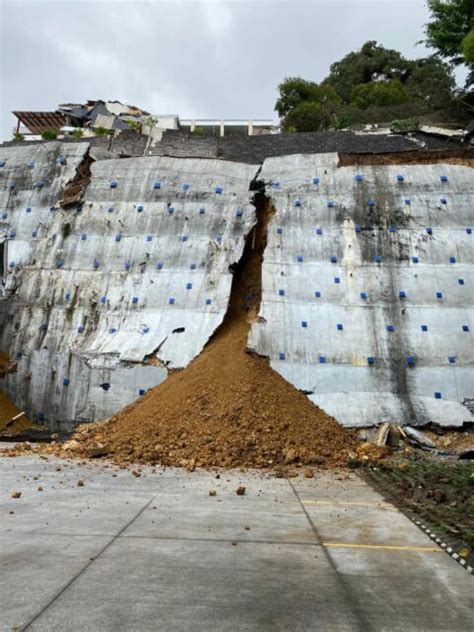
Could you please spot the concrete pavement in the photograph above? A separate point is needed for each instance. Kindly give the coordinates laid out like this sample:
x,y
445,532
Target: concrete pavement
x,y
156,552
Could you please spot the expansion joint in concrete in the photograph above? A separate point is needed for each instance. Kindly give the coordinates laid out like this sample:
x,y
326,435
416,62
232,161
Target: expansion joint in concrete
x,y
362,623
91,561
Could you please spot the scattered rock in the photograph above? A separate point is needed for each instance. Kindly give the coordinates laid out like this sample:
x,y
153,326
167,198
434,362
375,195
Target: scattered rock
x,y
72,444
240,491
98,450
382,434
309,473
290,456
212,492
419,438
16,494
80,483
40,489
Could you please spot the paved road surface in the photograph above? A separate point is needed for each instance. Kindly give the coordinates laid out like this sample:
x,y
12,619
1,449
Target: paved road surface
x,y
158,553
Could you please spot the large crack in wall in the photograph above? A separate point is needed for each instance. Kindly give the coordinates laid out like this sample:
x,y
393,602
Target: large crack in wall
x,y
125,283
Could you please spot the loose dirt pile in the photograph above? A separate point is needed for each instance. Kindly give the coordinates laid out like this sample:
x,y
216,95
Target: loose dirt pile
x,y
8,411
228,408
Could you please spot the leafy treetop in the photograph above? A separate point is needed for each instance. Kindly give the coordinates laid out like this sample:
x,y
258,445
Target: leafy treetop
x,y
373,77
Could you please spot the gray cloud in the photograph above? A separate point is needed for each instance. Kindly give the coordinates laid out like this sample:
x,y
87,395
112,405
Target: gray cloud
x,y
196,59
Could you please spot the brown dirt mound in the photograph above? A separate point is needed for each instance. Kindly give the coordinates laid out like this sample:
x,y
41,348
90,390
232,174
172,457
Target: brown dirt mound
x,y
228,408
7,412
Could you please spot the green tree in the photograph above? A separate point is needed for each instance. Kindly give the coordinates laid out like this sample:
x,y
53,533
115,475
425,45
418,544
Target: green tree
x,y
294,91
468,47
378,93
430,80
374,84
371,63
451,21
306,117
305,106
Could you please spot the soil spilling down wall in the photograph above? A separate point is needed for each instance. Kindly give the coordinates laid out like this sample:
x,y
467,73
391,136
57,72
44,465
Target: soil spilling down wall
x,y
228,407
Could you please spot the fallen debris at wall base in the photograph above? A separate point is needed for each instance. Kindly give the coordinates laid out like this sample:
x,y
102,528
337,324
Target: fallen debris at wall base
x,y
228,408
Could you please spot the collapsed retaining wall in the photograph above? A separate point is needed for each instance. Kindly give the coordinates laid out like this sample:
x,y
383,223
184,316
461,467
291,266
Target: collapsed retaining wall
x,y
367,280
113,292
368,288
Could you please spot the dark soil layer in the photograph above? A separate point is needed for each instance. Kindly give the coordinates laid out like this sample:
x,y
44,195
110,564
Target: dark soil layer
x,y
441,494
451,157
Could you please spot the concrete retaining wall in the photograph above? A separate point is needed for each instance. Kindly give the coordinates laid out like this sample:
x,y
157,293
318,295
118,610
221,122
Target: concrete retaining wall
x,y
368,288
133,282
367,280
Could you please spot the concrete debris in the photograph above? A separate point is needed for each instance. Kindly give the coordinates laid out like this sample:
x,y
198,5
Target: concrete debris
x,y
383,434
419,438
95,451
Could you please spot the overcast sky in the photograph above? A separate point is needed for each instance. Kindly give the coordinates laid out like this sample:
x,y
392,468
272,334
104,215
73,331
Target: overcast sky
x,y
197,59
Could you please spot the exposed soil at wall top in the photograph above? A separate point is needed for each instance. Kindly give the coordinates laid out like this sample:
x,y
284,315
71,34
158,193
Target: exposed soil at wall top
x,y
451,157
